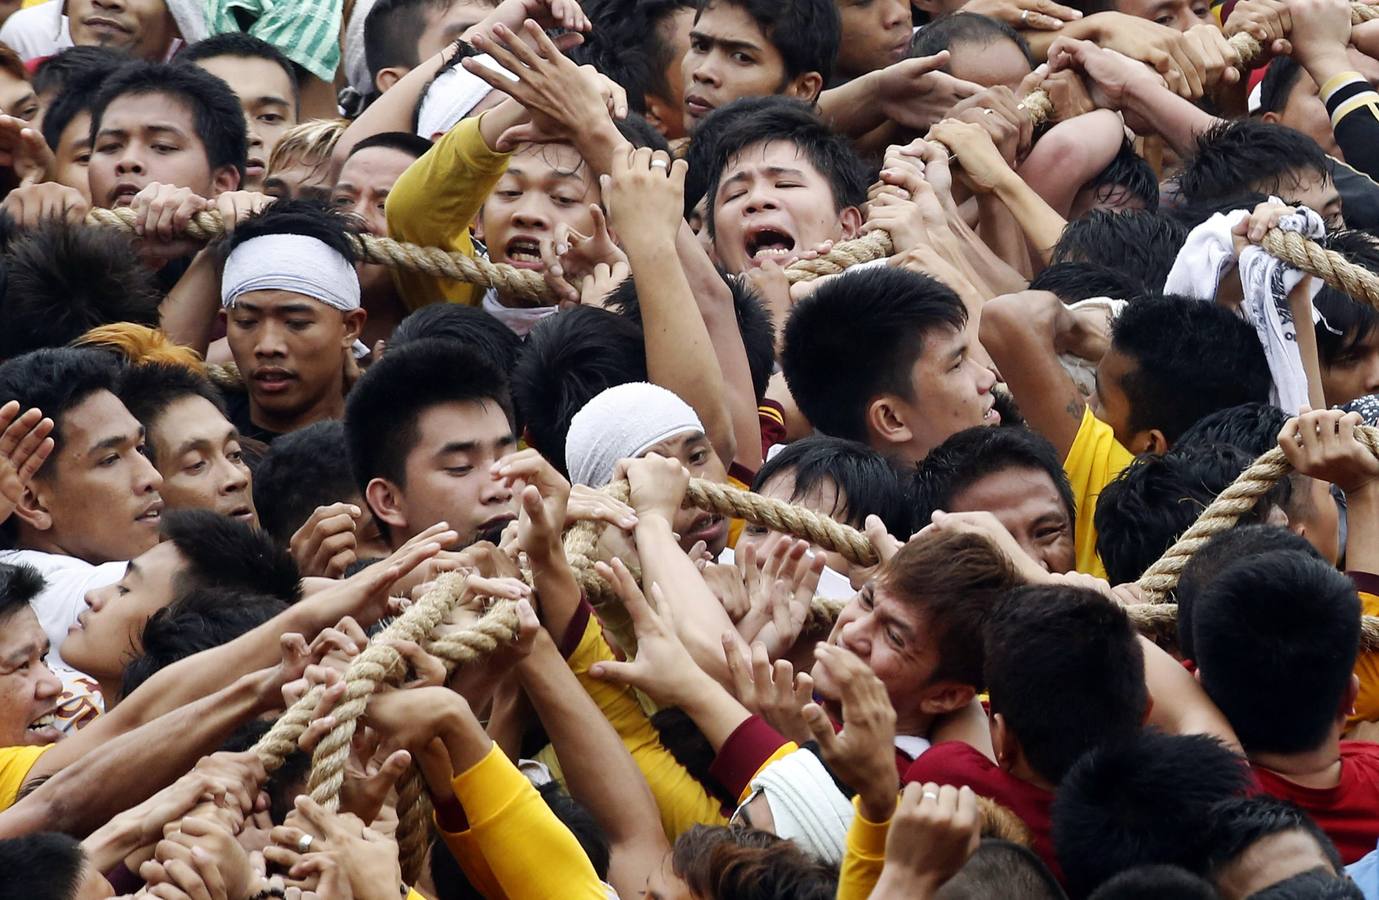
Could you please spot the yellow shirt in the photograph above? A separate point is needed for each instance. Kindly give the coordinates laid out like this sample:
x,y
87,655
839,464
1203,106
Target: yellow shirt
x,y
1095,459
1367,671
15,763
432,204
864,858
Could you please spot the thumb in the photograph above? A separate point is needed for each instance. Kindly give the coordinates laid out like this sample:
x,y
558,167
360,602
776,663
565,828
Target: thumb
x,y
925,64
623,673
374,790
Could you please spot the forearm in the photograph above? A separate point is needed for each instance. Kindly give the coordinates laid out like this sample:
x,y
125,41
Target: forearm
x,y
1178,703
996,275
699,617
1071,154
1041,223
852,108
107,847
1362,538
188,312
393,110
1175,119
679,354
557,589
1019,331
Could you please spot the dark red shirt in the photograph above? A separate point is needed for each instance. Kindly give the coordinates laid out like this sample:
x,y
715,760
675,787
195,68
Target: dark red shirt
x,y
958,764
1348,812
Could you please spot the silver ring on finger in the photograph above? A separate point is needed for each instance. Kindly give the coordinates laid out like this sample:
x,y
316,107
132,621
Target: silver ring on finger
x,y
659,164
928,794
304,843
1024,17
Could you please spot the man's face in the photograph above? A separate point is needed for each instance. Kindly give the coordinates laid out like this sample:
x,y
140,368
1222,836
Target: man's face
x,y
98,493
667,112
291,349
893,640
695,453
28,688
298,179
142,28
73,154
266,96
1314,190
1179,14
544,185
444,26
999,62
200,459
1027,503
448,477
773,204
950,392
730,57
107,635
364,184
1110,403
1354,375
147,138
876,33
1268,861
822,498
17,98
1304,111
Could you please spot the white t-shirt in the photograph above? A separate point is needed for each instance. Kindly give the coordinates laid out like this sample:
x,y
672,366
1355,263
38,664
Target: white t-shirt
x,y
63,597
37,31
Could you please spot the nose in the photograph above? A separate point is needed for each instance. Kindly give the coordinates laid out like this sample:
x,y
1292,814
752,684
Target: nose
x,y
95,600
495,492
854,636
109,5
759,200
531,213
129,163
48,685
235,479
146,477
986,380
897,14
367,214
270,344
705,73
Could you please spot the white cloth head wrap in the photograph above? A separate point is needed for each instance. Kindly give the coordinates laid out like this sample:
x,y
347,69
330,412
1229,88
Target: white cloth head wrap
x,y
806,804
623,422
291,262
452,95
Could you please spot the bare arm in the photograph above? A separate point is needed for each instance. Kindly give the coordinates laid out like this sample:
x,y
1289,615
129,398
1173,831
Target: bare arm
x,y
1071,154
1180,706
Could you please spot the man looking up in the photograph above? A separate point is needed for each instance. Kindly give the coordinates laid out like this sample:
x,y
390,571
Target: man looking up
x,y
293,317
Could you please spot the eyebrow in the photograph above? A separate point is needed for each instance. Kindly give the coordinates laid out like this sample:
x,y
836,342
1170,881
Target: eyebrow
x,y
20,654
157,129
518,170
230,434
284,309
727,44
115,440
775,171
270,99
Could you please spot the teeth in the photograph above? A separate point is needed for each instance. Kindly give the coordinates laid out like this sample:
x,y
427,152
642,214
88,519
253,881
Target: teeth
x,y
43,721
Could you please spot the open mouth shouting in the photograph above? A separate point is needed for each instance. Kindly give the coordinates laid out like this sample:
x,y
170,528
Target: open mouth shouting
x,y
524,252
763,242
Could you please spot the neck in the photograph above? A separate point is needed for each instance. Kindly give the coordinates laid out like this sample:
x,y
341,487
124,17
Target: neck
x,y
110,692
331,405
28,538
1318,768
1021,770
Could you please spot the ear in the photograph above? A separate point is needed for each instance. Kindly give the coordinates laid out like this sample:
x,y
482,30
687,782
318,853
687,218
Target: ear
x,y
945,697
387,503
805,87
1151,441
32,508
224,180
887,422
477,226
1006,745
354,324
386,78
1271,117
851,221
1352,691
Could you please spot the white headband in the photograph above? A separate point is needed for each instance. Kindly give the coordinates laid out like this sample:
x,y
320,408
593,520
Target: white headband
x,y
623,422
806,804
452,95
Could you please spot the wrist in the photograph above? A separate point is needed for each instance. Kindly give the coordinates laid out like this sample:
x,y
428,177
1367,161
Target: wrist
x,y
654,522
1325,63
599,144
878,803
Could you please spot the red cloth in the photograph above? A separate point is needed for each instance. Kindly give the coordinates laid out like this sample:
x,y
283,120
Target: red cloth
x,y
958,764
1348,812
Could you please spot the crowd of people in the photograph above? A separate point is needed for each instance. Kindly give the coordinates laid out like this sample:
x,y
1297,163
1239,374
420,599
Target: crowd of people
x,y
227,465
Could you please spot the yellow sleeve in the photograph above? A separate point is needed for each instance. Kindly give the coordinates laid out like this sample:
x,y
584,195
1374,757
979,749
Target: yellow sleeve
x,y
432,204
1367,671
529,852
1095,459
864,858
15,763
681,799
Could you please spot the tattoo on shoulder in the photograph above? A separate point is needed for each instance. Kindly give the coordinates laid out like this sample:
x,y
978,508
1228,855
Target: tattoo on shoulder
x,y
1075,408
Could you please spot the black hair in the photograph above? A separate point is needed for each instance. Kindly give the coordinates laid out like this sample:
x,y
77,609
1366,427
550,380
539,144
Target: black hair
x,y
205,617
947,31
638,132
304,217
304,469
468,325
1212,558
246,46
1076,280
217,117
45,865
1156,498
1143,802
148,390
19,585
392,32
1349,323
1313,885
566,361
1065,669
868,484
1280,77
76,88
753,323
57,72
805,32
63,280
857,337
1128,172
628,45
226,553
1190,359
1242,821
1191,213
1004,869
974,453
383,412
1140,244
1159,882
1276,638
1247,154
413,145
753,121
56,380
